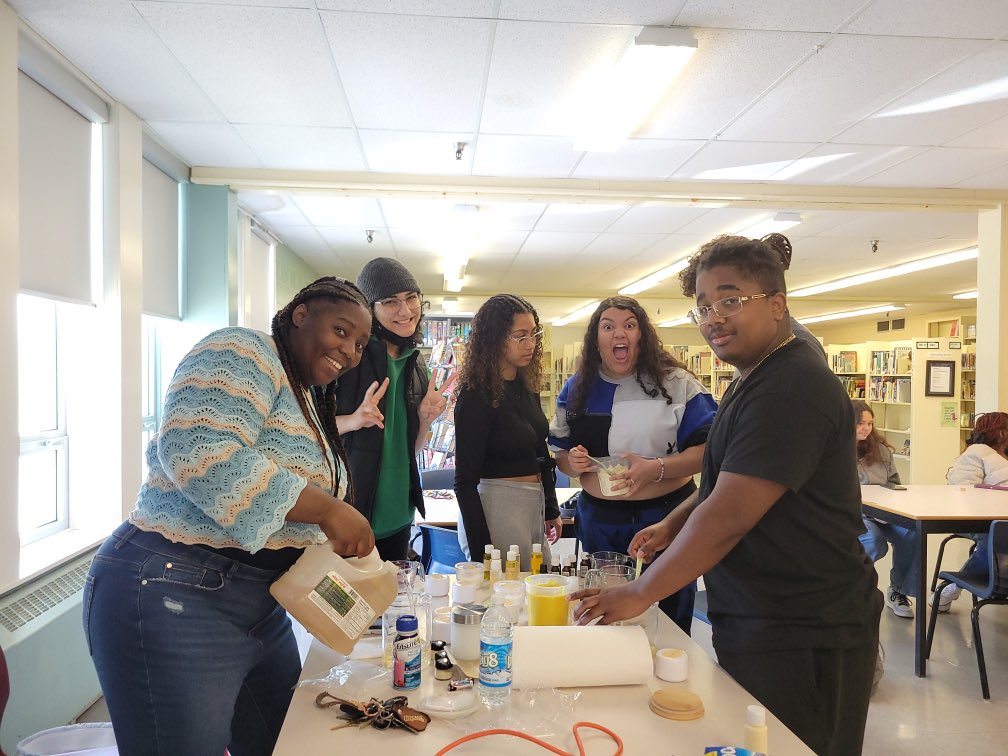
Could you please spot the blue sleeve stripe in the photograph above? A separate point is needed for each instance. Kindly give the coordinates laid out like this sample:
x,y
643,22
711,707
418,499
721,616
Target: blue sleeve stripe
x,y
699,413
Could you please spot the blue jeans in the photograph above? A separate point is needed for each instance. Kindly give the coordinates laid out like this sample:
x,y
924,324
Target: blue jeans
x,y
192,653
903,575
978,564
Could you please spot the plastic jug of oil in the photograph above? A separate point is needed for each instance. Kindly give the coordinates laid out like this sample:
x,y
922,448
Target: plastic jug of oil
x,y
336,598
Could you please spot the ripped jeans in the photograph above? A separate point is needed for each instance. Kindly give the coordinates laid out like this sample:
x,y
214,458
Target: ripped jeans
x,y
192,653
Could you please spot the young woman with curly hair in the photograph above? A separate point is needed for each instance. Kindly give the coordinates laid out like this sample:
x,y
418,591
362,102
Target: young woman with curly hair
x,y
984,461
504,478
631,397
876,467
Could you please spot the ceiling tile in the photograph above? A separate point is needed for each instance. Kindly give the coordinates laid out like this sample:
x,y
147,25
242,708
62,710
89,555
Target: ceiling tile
x,y
581,217
416,152
827,94
844,163
993,135
640,159
622,249
995,179
276,209
728,72
547,243
206,143
742,161
532,93
419,73
905,227
349,244
971,92
758,14
546,157
656,219
634,12
448,8
334,210
939,167
303,147
278,68
115,46
727,220
978,19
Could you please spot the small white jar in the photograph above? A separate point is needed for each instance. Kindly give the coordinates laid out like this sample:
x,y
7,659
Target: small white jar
x,y
465,631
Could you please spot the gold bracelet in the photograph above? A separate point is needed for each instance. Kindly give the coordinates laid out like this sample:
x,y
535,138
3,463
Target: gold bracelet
x,y
661,475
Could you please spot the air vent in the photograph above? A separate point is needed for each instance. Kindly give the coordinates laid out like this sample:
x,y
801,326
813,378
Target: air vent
x,y
52,592
882,326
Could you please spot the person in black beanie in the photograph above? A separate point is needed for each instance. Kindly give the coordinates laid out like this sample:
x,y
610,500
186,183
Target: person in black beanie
x,y
385,407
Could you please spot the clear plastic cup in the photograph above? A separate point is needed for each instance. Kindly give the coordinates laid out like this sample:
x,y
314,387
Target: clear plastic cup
x,y
611,465
548,602
601,559
513,592
469,573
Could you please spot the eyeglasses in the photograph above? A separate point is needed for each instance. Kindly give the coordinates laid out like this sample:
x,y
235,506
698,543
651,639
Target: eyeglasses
x,y
523,340
394,304
723,308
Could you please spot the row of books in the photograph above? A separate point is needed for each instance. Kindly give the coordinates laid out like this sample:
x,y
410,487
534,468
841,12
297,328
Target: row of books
x,y
898,361
889,390
855,387
969,360
845,362
442,330
723,382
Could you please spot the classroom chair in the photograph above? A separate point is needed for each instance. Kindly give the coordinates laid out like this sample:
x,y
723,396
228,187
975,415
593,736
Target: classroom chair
x,y
441,478
441,549
991,589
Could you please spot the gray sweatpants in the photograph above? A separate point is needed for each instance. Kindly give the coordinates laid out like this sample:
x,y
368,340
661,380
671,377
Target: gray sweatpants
x,y
514,513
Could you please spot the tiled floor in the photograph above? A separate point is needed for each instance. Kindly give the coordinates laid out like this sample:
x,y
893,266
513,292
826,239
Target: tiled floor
x,y
943,714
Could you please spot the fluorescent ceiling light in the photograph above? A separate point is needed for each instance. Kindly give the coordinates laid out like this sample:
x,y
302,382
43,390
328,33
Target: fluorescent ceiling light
x,y
449,305
779,223
614,103
914,266
851,313
966,295
654,279
991,90
453,284
676,322
579,313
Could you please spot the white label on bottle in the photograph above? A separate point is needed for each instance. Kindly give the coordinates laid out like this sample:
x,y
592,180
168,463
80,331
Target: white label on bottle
x,y
342,604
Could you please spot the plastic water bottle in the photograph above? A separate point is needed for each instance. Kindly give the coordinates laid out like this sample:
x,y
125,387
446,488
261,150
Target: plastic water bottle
x,y
496,633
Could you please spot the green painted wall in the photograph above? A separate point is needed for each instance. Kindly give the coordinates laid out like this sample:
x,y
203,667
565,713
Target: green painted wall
x,y
292,275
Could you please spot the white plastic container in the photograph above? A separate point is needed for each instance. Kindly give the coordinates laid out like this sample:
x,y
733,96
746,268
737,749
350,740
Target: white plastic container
x,y
336,599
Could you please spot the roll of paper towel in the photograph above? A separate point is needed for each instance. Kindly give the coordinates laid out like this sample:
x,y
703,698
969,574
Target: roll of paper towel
x,y
572,656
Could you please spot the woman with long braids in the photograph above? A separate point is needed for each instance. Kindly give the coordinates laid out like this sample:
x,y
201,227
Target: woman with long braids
x,y
504,479
385,408
193,654
631,397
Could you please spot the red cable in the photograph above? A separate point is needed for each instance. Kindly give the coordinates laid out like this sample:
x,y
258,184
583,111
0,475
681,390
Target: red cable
x,y
537,741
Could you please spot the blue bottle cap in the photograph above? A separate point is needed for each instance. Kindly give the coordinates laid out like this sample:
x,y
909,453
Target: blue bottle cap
x,y
406,623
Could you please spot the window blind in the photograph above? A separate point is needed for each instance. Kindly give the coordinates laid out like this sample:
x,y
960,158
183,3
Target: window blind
x,y
160,243
55,195
257,305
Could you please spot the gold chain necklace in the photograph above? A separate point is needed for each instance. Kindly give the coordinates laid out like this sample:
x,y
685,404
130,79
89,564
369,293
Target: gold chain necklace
x,y
739,380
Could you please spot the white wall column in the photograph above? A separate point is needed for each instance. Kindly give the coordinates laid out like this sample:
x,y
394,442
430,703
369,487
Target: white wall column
x,y
123,304
992,311
10,264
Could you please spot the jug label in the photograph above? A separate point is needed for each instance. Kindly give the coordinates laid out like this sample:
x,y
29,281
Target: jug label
x,y
342,604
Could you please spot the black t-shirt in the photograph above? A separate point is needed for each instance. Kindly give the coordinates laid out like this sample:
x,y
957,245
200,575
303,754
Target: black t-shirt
x,y
506,441
799,578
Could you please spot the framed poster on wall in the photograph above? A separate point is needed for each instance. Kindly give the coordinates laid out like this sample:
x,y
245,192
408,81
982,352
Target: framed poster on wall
x,y
939,378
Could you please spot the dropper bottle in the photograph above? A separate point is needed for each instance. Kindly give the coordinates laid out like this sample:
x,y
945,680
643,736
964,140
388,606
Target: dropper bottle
x,y
756,730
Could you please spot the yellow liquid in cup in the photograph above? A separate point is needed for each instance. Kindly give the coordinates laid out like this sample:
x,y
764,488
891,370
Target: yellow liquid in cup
x,y
547,610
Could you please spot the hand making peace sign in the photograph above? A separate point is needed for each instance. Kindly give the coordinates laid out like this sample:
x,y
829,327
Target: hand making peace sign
x,y
367,414
434,402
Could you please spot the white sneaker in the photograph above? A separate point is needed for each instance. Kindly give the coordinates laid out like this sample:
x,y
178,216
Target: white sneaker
x,y
899,604
949,594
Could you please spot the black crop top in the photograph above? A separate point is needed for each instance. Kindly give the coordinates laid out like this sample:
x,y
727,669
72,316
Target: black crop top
x,y
506,441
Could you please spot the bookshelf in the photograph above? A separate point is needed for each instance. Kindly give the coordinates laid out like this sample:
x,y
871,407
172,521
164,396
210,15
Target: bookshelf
x,y
435,329
850,364
967,397
446,354
888,389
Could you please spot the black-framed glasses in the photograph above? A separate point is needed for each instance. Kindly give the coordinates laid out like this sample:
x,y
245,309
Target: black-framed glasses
x,y
392,305
723,308
536,335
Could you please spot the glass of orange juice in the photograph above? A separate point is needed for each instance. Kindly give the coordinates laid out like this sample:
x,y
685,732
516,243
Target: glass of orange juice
x,y
548,602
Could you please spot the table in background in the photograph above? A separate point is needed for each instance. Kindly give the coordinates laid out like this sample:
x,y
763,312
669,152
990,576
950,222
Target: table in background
x,y
927,509
623,709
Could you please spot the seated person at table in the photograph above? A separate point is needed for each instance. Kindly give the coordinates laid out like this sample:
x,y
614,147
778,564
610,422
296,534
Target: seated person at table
x,y
792,599
503,471
875,467
984,461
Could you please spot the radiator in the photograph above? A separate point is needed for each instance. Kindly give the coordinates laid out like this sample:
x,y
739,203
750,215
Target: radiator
x,y
52,678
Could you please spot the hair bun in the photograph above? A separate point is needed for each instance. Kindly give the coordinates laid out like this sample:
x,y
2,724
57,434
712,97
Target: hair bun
x,y
781,245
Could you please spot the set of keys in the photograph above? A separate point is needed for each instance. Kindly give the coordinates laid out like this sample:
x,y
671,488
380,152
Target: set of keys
x,y
393,712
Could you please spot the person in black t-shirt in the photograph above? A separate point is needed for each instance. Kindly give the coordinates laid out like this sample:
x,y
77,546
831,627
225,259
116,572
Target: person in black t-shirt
x,y
792,598
504,479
